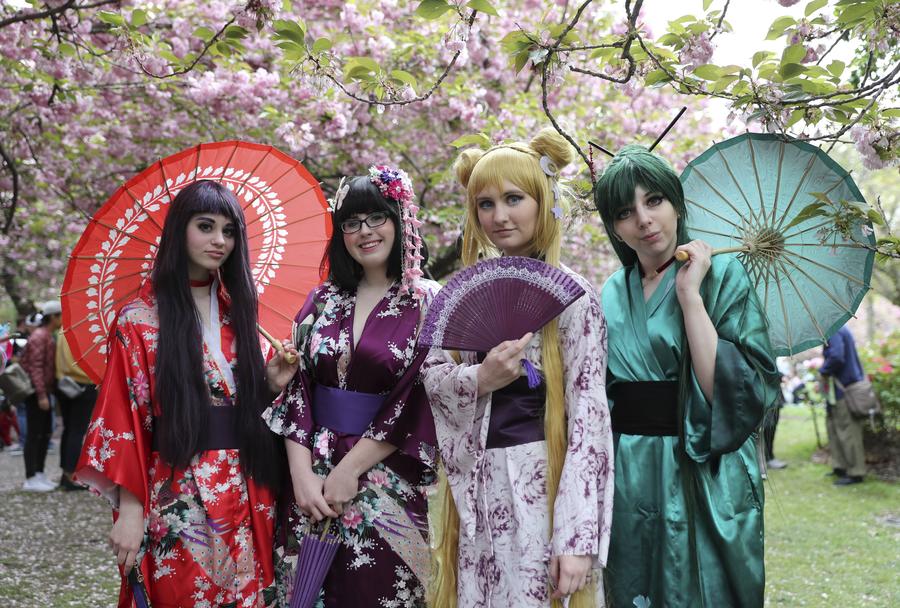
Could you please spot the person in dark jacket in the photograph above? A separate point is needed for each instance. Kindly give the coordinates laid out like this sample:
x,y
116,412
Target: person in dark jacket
x,y
38,360
845,435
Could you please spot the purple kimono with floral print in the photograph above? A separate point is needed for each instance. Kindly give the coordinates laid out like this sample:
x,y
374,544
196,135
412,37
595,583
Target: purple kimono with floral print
x,y
383,559
505,541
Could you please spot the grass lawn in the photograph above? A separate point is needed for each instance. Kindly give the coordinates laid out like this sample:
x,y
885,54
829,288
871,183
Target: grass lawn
x,y
827,545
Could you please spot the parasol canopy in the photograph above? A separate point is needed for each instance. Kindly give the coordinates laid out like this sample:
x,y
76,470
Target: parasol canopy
x,y
288,227
747,193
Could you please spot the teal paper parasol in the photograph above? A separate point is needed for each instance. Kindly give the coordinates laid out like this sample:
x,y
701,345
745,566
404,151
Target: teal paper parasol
x,y
745,195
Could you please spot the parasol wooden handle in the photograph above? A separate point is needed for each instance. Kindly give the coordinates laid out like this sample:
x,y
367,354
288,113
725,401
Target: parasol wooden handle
x,y
327,528
291,358
682,256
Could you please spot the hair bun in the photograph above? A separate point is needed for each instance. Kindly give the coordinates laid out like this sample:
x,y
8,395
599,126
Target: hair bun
x,y
465,163
549,142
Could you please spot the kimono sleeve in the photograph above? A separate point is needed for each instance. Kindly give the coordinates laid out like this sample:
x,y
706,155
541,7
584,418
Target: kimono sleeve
x,y
405,420
291,414
746,379
460,425
582,512
117,445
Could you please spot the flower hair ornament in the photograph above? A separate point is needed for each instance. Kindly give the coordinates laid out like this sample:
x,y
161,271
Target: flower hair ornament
x,y
552,172
396,185
335,203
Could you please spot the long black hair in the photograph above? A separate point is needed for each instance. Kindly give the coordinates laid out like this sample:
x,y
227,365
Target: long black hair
x,y
362,197
181,388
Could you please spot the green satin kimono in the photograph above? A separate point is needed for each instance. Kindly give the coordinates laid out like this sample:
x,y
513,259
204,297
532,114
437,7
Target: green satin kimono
x,y
687,527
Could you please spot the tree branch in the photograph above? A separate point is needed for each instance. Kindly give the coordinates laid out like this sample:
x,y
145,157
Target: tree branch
x,y
721,19
70,4
200,55
10,212
395,102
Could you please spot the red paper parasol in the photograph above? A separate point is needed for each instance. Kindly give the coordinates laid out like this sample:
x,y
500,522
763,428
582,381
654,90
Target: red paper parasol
x,y
288,227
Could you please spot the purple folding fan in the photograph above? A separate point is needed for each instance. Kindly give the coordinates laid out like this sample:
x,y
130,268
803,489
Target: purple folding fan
x,y
495,300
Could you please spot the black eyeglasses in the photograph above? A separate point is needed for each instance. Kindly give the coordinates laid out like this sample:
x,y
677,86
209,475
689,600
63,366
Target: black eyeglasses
x,y
373,220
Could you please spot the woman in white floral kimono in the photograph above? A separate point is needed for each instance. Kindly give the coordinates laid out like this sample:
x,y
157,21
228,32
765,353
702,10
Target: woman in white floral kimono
x,y
527,516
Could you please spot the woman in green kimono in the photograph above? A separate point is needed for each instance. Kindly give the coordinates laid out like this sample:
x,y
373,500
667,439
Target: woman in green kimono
x,y
691,374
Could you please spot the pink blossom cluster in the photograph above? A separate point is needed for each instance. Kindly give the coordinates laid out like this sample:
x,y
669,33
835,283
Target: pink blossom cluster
x,y
697,51
876,145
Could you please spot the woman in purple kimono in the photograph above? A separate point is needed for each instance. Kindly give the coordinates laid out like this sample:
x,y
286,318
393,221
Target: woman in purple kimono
x,y
526,521
359,432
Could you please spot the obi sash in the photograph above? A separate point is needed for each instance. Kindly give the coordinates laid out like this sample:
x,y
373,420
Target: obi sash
x,y
347,412
221,431
517,414
645,408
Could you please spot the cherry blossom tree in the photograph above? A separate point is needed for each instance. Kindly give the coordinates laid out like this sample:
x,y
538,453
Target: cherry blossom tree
x,y
93,91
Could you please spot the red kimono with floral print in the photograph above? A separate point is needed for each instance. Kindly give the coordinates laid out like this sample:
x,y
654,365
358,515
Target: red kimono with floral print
x,y
209,529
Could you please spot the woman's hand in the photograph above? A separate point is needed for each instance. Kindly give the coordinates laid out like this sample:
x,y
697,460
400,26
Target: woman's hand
x,y
568,574
278,371
690,275
502,365
341,486
308,493
127,533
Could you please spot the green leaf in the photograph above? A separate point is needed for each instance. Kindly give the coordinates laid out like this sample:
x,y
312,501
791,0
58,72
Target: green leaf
x,y
836,67
708,72
235,32
656,77
856,12
793,54
404,77
669,39
479,139
891,113
795,117
875,217
204,33
519,61
760,56
814,6
483,6
778,27
138,17
359,72
366,62
169,56
789,70
292,30
432,9
723,83
706,4
66,49
321,45
810,211
112,18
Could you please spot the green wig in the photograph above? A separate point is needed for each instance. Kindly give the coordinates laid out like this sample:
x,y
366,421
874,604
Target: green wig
x,y
636,166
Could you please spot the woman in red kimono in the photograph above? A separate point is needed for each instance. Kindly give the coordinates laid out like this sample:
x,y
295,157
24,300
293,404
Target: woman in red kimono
x,y
189,465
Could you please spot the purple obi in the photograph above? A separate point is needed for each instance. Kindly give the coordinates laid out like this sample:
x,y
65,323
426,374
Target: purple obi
x,y
517,414
347,412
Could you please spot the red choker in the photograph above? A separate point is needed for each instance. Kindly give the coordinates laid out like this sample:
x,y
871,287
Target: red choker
x,y
204,283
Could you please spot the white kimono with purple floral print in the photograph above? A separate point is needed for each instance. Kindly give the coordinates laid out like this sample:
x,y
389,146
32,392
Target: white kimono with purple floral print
x,y
505,542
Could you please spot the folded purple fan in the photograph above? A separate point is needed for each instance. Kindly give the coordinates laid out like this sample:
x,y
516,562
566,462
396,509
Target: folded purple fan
x,y
496,300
